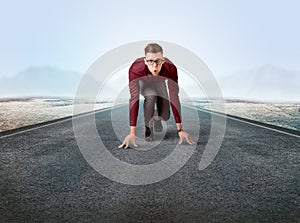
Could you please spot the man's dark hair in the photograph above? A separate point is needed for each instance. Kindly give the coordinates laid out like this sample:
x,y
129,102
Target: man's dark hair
x,y
153,48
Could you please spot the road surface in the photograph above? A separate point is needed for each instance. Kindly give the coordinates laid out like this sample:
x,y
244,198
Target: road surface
x,y
254,177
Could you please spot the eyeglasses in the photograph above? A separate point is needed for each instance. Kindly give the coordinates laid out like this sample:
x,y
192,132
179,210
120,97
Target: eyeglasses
x,y
157,61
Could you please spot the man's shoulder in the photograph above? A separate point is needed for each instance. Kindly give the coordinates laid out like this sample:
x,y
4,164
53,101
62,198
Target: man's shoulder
x,y
138,66
169,66
169,70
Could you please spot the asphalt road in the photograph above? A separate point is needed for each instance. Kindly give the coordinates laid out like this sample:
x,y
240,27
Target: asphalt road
x,y
254,177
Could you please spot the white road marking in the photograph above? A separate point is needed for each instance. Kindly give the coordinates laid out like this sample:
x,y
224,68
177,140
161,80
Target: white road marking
x,y
54,122
244,121
197,108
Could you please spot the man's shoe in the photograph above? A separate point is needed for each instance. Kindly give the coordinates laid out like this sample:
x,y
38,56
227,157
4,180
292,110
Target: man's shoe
x,y
158,126
148,134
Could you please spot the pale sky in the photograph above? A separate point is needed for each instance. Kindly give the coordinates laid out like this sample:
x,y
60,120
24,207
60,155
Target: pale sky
x,y
227,35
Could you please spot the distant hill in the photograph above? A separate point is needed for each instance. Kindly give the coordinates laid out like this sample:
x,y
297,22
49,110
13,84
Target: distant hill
x,y
266,83
40,81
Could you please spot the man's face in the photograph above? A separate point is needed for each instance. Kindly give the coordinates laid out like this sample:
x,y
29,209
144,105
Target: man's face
x,y
154,62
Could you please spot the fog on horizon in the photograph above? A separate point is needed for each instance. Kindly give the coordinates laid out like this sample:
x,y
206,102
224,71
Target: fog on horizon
x,y
48,45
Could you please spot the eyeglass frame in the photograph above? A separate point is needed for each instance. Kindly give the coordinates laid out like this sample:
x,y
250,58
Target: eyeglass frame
x,y
157,61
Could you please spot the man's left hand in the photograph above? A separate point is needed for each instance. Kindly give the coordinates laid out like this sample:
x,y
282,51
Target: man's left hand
x,y
185,135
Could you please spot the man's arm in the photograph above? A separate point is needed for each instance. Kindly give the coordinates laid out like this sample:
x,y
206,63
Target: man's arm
x,y
176,106
134,101
173,92
133,108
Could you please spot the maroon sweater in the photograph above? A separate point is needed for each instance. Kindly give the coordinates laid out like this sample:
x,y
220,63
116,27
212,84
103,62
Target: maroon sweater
x,y
139,70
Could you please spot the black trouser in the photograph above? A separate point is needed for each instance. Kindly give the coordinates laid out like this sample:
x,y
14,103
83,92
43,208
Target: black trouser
x,y
162,110
154,90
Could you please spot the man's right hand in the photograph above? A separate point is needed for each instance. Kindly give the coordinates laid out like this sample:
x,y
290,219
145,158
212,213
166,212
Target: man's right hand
x,y
125,144
128,138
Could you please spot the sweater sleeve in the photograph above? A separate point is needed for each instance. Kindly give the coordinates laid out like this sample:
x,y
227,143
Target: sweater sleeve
x,y
134,97
173,92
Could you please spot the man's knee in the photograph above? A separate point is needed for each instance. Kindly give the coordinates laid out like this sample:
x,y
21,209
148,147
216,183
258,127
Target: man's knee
x,y
165,115
150,99
163,108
